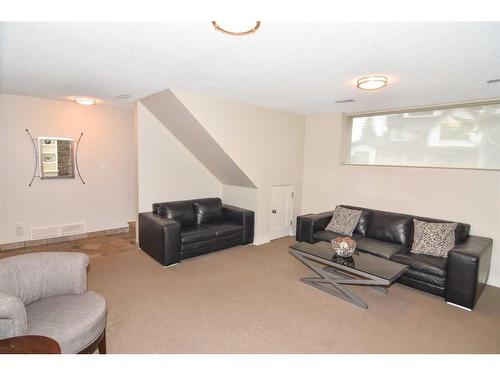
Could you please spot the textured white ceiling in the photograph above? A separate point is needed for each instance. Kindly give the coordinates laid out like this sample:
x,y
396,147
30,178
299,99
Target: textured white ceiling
x,y
295,67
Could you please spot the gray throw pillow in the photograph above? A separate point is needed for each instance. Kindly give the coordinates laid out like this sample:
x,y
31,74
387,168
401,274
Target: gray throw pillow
x,y
344,221
435,239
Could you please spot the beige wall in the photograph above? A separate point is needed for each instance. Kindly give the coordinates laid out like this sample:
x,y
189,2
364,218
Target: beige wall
x,y
106,159
167,171
181,123
240,196
461,195
266,144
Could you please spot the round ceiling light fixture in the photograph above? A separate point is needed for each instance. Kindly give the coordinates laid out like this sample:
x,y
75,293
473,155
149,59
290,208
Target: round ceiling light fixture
x,y
372,82
237,28
85,101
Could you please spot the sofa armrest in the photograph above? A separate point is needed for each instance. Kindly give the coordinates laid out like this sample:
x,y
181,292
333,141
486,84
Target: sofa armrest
x,y
308,224
467,270
160,237
13,320
243,217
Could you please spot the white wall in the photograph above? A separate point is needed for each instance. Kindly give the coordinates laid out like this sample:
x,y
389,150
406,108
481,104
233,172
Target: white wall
x,y
267,145
106,159
460,195
240,196
167,171
181,123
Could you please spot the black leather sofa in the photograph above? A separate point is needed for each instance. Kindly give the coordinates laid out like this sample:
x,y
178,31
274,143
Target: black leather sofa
x,y
460,278
183,229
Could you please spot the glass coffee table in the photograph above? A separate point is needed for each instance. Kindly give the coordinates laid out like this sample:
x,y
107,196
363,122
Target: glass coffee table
x,y
334,272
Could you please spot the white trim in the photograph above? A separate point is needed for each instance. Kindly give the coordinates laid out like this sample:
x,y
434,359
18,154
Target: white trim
x,y
468,103
261,240
461,307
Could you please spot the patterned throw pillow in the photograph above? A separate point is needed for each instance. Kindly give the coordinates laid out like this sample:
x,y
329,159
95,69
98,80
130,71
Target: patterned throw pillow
x,y
435,239
344,221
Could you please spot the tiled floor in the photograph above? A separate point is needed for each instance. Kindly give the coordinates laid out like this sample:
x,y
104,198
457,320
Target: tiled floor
x,y
94,247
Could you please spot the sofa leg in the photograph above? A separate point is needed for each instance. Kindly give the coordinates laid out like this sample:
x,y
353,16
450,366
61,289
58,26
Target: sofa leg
x,y
102,344
171,265
460,307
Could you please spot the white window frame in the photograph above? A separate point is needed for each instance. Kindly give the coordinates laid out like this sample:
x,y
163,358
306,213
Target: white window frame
x,y
348,119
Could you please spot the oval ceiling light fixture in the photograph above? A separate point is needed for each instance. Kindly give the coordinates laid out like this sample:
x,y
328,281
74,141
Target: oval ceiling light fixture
x,y
237,28
85,101
372,82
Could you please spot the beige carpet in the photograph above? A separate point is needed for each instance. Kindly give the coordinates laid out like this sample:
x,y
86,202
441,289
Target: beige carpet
x,y
250,300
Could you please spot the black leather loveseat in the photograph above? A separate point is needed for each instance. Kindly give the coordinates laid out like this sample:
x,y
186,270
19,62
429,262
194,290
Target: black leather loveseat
x,y
460,278
184,229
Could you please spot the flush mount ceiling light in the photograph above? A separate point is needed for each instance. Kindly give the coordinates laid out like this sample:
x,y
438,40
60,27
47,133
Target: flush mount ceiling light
x,y
123,96
85,101
237,28
372,82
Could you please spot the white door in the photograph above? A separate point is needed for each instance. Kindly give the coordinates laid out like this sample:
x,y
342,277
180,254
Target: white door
x,y
281,211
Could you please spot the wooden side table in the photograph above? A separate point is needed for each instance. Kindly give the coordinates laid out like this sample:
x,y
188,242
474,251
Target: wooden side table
x,y
29,345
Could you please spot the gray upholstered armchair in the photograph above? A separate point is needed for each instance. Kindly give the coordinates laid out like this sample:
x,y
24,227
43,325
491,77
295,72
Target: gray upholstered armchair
x,y
46,294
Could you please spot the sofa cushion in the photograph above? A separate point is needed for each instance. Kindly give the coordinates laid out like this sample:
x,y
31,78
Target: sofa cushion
x,y
329,236
74,321
422,285
390,227
198,247
181,211
343,221
426,278
224,229
435,239
363,221
461,232
422,263
379,248
196,234
208,211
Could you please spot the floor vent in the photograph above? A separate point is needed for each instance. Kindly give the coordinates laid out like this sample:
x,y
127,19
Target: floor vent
x,y
44,232
69,229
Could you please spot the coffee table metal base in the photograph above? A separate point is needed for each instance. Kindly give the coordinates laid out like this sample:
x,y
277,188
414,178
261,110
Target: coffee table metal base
x,y
332,281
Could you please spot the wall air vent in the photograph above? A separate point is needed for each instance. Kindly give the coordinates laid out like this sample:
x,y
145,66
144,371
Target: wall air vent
x,y
44,232
344,101
69,229
41,233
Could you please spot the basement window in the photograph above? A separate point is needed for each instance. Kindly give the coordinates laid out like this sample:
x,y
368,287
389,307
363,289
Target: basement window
x,y
466,136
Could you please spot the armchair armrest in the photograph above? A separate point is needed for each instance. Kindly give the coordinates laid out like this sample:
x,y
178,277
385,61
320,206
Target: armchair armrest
x,y
160,237
243,217
308,224
468,270
13,320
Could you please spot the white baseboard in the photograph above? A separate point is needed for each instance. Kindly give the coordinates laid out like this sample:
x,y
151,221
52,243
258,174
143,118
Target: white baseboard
x,y
261,240
266,239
